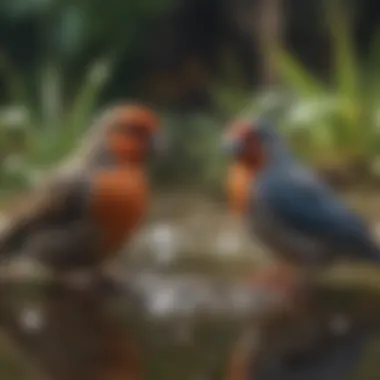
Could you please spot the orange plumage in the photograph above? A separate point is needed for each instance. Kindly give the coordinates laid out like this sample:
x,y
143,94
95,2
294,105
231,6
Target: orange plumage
x,y
119,203
242,170
85,214
238,187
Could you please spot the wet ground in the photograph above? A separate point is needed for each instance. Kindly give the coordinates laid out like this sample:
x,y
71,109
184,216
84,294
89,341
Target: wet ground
x,y
182,303
183,329
82,335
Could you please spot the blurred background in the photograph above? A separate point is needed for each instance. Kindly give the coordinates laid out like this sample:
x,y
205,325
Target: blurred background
x,y
314,66
201,62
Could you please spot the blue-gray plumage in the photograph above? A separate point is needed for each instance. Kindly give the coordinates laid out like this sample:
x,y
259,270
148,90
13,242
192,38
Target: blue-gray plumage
x,y
296,214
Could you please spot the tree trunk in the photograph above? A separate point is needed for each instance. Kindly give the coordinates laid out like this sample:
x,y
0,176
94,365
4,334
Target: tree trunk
x,y
268,33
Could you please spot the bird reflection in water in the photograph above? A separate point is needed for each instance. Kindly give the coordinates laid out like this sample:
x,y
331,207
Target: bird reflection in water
x,y
70,334
301,339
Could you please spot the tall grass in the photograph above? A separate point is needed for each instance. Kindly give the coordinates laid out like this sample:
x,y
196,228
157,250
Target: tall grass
x,y
50,129
339,119
331,123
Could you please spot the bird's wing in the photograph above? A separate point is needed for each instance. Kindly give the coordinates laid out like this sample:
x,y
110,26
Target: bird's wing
x,y
58,202
303,203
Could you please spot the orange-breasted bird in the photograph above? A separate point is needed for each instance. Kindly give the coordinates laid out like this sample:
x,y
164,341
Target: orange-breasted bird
x,y
84,214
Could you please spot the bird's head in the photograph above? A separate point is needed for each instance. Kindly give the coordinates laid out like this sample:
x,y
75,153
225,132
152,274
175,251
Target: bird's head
x,y
250,142
130,133
250,145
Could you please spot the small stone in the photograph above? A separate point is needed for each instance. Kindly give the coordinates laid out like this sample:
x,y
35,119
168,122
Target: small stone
x,y
340,324
31,319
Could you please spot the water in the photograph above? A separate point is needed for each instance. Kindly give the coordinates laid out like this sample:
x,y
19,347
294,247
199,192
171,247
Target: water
x,y
183,302
166,329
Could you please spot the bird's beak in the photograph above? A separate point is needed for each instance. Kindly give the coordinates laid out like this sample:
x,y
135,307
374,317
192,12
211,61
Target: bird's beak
x,y
160,144
231,147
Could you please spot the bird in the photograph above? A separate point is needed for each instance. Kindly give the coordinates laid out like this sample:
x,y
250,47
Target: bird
x,y
81,216
292,211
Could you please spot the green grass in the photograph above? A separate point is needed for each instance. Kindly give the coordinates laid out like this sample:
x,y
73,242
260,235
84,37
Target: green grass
x,y
334,123
46,132
335,120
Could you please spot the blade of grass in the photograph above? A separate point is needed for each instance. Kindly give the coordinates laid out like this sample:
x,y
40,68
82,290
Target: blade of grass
x,y
88,94
344,55
346,75
15,84
372,94
51,94
296,76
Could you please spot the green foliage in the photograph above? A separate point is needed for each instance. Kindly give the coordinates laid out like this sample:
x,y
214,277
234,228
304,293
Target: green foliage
x,y
195,157
51,135
329,123
337,121
47,103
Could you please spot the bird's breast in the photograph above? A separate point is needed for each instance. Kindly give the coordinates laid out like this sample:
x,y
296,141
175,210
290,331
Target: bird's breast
x,y
239,185
119,204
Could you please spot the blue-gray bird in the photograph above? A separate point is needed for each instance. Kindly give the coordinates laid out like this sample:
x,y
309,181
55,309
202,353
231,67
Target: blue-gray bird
x,y
288,207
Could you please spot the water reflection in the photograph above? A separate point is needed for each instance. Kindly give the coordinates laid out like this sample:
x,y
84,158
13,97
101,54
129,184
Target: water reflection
x,y
160,326
70,334
184,295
